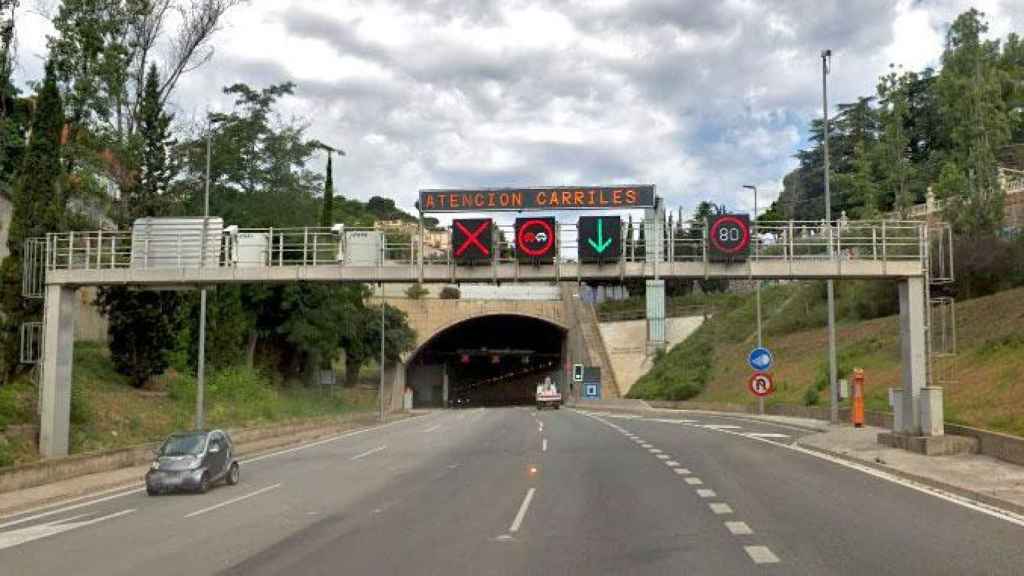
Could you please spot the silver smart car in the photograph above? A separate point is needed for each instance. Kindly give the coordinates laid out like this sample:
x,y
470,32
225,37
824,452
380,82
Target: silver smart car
x,y
193,461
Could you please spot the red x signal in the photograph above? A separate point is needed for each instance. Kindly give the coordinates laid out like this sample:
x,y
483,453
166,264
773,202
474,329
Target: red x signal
x,y
472,238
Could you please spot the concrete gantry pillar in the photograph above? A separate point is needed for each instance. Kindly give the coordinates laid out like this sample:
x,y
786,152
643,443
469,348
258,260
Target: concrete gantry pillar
x,y
655,296
58,354
913,343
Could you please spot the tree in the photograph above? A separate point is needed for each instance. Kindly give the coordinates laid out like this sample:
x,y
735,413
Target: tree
x,y
143,325
364,343
327,213
894,144
38,209
973,110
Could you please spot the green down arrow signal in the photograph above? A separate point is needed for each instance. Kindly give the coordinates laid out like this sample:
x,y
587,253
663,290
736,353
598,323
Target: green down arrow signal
x,y
602,243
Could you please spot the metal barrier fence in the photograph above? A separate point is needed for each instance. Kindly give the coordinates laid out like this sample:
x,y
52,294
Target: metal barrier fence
x,y
276,247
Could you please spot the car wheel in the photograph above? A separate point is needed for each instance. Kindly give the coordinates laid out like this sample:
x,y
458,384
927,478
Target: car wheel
x,y
556,406
204,483
233,474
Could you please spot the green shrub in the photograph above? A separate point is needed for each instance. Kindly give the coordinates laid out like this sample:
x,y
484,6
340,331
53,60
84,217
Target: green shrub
x,y
6,454
416,291
811,397
9,412
450,293
81,410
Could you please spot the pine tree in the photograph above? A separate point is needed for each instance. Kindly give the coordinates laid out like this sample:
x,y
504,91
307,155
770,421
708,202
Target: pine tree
x,y
327,215
38,210
973,111
143,325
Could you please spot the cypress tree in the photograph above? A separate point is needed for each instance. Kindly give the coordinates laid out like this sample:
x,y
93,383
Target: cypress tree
x,y
327,215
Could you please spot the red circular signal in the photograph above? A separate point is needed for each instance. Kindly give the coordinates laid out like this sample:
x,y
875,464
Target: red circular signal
x,y
761,384
531,242
729,235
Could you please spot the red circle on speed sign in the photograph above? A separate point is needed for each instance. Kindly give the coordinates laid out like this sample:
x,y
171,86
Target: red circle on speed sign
x,y
730,244
761,384
541,241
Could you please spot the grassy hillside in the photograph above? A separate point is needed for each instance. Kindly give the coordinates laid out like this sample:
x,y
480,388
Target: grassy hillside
x,y
106,412
988,387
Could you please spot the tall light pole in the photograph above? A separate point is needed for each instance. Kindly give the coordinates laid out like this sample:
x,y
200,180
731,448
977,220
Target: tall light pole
x,y
826,59
380,393
201,371
757,294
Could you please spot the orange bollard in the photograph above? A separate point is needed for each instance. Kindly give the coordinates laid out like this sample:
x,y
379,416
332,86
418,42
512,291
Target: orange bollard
x,y
857,414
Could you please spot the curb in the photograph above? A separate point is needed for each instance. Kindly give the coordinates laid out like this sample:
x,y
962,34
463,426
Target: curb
x,y
977,497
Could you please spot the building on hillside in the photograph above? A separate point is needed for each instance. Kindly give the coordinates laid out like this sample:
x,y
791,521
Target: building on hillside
x,y
1013,206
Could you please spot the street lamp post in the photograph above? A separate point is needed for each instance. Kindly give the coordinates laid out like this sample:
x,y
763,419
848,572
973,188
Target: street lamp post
x,y
826,59
380,393
757,295
201,369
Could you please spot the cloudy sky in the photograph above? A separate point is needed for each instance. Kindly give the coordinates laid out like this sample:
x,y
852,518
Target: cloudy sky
x,y
698,97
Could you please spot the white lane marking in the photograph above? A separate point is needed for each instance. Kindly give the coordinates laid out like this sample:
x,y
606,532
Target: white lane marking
x,y
693,481
739,528
368,452
671,463
646,445
720,508
233,500
662,456
544,445
682,471
69,508
722,426
672,421
654,451
30,533
522,511
432,428
761,555
706,493
767,435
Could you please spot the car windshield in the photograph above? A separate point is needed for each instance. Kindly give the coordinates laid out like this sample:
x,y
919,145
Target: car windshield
x,y
190,444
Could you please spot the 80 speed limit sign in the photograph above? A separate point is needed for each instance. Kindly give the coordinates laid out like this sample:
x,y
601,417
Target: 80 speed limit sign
x,y
761,384
729,237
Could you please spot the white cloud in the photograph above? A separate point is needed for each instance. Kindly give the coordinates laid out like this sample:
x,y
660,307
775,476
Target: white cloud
x,y
697,97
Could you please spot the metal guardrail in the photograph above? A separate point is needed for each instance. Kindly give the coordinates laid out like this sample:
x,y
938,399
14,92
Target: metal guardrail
x,y
280,247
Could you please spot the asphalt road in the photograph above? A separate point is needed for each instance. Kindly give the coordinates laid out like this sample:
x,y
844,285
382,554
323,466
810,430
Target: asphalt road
x,y
515,491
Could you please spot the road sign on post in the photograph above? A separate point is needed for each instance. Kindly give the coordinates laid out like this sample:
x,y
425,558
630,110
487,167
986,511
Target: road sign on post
x,y
760,359
471,240
536,239
592,383
729,237
761,384
599,238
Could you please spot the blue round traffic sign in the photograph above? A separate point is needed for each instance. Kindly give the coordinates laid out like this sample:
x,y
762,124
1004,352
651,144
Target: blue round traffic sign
x,y
761,359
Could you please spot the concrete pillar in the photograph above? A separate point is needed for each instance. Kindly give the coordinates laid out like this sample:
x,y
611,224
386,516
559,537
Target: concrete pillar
x,y
914,352
897,409
444,386
58,354
931,411
655,315
394,386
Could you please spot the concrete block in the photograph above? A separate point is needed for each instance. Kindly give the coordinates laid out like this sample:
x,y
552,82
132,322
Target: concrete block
x,y
931,411
930,445
896,394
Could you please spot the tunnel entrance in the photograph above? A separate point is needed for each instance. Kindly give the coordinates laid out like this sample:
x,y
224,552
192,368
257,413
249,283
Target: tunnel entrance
x,y
486,361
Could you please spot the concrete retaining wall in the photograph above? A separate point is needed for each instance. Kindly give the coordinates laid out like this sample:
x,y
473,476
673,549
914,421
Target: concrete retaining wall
x,y
995,444
246,441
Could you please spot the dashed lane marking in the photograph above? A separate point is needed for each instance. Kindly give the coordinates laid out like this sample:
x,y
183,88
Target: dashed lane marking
x,y
369,452
721,426
671,463
720,508
739,528
518,520
761,555
706,493
233,500
693,481
682,471
662,456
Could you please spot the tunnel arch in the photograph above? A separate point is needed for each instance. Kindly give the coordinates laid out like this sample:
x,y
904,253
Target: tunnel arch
x,y
486,359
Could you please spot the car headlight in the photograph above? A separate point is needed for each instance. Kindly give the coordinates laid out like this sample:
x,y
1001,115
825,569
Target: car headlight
x,y
155,466
195,463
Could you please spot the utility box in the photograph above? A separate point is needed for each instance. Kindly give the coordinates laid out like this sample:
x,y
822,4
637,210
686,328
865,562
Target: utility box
x,y
176,243
250,249
363,247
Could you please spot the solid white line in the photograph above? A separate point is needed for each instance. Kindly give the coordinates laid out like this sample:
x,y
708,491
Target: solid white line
x,y
739,528
722,426
432,428
705,493
761,555
767,435
522,511
368,452
693,481
233,500
68,508
720,508
544,445
30,533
